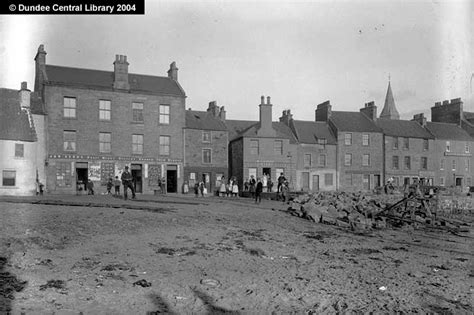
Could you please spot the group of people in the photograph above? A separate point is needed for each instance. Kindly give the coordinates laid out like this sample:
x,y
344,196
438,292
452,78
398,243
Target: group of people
x,y
267,184
231,188
264,184
126,180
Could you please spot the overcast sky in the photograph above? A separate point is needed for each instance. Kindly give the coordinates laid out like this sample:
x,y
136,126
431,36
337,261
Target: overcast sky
x,y
299,53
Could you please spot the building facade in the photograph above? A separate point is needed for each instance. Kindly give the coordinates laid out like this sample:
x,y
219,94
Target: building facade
x,y
206,147
18,144
98,122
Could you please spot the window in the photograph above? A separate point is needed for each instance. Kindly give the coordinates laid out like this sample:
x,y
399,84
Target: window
x,y
454,165
468,181
307,160
165,145
348,159
69,107
137,110
137,144
322,160
424,163
206,137
407,162
441,181
278,147
365,140
365,159
348,139
406,143
164,114
9,178
206,156
467,166
466,148
395,143
426,145
448,146
254,147
69,141
19,150
366,181
253,172
63,174
328,179
441,164
322,141
105,140
395,162
104,110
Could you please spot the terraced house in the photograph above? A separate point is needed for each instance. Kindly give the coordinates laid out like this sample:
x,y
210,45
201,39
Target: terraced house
x,y
100,121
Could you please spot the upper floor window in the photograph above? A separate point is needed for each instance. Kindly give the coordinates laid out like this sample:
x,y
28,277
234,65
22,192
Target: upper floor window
x,y
365,139
348,159
164,114
19,150
466,148
206,156
105,142
69,137
395,162
424,163
322,160
406,143
448,146
454,165
441,164
426,145
8,178
254,147
137,144
137,110
348,139
104,109
395,142
69,107
365,159
206,137
407,162
165,145
467,166
278,147
307,160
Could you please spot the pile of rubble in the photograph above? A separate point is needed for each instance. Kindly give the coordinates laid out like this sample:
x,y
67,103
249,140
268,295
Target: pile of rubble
x,y
362,211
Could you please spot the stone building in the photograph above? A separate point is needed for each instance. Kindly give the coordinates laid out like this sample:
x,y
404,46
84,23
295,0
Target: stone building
x,y
262,148
206,147
359,161
316,154
99,121
452,111
18,144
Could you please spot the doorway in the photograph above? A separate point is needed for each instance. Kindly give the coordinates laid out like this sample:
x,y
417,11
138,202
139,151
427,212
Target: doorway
x,y
315,183
305,181
458,181
172,179
268,171
137,177
82,176
377,180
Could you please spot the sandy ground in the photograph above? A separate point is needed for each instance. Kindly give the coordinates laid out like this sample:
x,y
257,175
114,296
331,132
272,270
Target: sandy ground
x,y
211,256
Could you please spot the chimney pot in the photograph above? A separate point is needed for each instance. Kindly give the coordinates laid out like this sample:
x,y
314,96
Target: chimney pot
x,y
268,100
24,85
262,99
446,102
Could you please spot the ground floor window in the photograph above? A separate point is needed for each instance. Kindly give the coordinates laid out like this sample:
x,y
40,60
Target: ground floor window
x,y
441,181
9,178
63,174
366,181
328,179
253,172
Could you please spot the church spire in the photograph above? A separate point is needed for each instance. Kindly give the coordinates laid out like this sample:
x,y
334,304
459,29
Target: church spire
x,y
389,110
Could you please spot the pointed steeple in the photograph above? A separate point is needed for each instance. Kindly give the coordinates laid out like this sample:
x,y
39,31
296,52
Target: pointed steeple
x,y
389,110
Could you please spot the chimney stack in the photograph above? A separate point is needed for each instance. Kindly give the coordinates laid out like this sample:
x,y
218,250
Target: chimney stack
x,y
420,118
213,109
266,128
173,71
121,73
25,95
323,111
286,117
222,113
40,68
370,110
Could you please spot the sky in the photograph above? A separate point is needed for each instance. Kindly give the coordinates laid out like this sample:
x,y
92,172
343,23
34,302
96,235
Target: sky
x,y
301,53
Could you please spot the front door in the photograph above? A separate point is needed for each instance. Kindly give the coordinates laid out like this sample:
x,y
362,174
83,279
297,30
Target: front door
x,y
377,180
82,174
305,181
458,181
137,177
315,183
172,179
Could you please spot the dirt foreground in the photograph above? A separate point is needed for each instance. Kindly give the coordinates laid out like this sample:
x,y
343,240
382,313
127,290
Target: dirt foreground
x,y
211,256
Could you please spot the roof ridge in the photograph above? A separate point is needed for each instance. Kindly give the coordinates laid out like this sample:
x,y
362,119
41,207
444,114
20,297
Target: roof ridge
x,y
108,71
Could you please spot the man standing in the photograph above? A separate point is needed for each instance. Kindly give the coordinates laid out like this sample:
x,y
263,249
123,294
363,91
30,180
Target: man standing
x,y
281,180
252,183
127,183
258,191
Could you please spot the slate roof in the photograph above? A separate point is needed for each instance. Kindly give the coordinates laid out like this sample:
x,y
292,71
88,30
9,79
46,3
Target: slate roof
x,y
203,121
14,122
245,128
469,116
353,122
403,128
99,79
447,131
310,131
